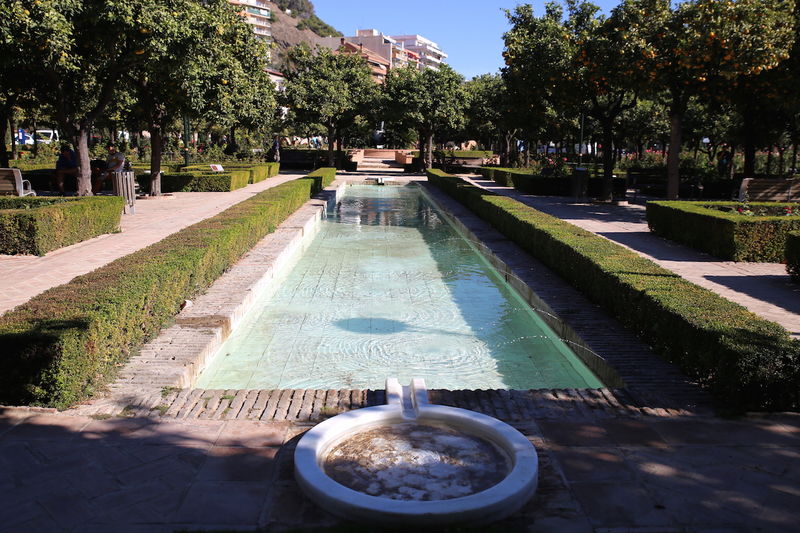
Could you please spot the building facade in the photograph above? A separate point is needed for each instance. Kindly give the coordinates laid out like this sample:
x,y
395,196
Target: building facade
x,y
430,55
259,15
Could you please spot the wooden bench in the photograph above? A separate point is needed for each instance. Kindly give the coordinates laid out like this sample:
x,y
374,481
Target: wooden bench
x,y
769,190
12,184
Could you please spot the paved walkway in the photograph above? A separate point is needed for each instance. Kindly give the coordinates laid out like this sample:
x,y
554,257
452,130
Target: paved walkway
x,y
24,276
763,288
610,475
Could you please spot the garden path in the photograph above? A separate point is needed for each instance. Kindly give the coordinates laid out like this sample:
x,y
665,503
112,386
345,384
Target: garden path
x,y
763,288
643,473
24,276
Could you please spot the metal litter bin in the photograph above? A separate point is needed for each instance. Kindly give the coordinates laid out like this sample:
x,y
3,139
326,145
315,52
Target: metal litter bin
x,y
125,186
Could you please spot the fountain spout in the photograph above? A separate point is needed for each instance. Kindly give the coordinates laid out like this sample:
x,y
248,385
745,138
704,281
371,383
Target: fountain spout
x,y
409,399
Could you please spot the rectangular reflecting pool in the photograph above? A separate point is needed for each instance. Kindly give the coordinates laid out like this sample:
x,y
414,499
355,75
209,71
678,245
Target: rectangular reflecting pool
x,y
389,288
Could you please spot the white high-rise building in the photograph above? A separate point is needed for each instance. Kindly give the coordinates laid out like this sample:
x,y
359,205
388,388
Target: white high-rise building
x,y
430,55
258,15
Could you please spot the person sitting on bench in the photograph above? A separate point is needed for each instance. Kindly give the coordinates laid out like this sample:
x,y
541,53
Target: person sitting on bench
x,y
114,163
67,165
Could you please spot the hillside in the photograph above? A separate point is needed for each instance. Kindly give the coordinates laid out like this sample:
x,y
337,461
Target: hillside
x,y
302,25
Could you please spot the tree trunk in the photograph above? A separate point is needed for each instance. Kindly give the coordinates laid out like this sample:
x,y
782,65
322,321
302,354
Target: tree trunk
x,y
339,150
13,126
674,155
429,152
608,159
732,169
749,145
156,146
781,160
331,141
769,161
794,158
80,140
3,153
35,140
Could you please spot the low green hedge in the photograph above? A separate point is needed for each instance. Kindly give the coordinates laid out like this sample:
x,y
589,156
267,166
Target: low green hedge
x,y
745,361
205,181
793,255
39,225
65,343
719,229
524,180
258,171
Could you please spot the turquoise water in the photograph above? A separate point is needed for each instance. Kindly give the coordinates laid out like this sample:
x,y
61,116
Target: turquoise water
x,y
389,289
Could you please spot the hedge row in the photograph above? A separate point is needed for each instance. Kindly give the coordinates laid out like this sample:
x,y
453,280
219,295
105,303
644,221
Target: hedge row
x,y
793,255
66,342
529,183
745,361
717,228
39,225
258,171
205,181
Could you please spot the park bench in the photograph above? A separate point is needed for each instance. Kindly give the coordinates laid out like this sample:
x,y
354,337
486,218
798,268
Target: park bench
x,y
12,184
769,190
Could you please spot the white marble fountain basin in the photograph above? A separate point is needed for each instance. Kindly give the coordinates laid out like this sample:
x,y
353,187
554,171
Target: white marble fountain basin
x,y
404,405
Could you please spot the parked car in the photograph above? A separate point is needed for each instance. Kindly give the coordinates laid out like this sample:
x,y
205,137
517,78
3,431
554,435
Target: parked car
x,y
23,137
46,136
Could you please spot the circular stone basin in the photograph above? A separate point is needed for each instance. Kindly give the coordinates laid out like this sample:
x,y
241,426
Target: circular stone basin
x,y
401,487
416,462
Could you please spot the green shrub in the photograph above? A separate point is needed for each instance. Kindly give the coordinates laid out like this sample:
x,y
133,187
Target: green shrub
x,y
717,228
524,180
205,181
745,361
793,255
63,344
39,225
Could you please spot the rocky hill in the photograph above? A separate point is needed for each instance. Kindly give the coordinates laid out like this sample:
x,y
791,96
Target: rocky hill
x,y
301,25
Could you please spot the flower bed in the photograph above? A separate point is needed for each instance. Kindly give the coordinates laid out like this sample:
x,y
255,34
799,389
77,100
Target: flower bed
x,y
745,361
728,230
39,225
64,344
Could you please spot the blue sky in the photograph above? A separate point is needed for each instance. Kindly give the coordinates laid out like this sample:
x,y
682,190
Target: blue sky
x,y
470,31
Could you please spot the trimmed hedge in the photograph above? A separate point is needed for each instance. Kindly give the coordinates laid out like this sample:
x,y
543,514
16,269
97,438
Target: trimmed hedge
x,y
716,228
525,181
793,255
205,181
745,361
39,225
65,343
258,171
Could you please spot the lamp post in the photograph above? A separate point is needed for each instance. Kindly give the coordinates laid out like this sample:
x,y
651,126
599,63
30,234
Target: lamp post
x,y
580,144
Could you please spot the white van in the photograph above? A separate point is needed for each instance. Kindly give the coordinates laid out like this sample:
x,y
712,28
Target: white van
x,y
47,136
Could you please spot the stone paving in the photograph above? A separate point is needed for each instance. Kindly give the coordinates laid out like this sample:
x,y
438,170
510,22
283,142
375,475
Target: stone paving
x,y
612,475
763,288
25,276
222,460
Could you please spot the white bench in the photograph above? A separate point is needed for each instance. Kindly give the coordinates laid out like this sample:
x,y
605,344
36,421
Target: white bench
x,y
12,184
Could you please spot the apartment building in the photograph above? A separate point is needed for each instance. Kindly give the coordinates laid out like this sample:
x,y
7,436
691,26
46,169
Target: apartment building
x,y
258,15
378,65
383,45
430,55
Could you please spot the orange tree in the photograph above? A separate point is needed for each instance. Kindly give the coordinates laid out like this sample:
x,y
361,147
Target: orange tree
x,y
583,62
706,47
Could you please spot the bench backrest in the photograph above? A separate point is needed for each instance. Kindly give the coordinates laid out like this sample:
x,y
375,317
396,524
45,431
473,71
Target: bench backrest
x,y
767,190
10,181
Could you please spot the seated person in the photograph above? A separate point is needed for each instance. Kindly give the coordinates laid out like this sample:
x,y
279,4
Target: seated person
x,y
114,163
67,165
